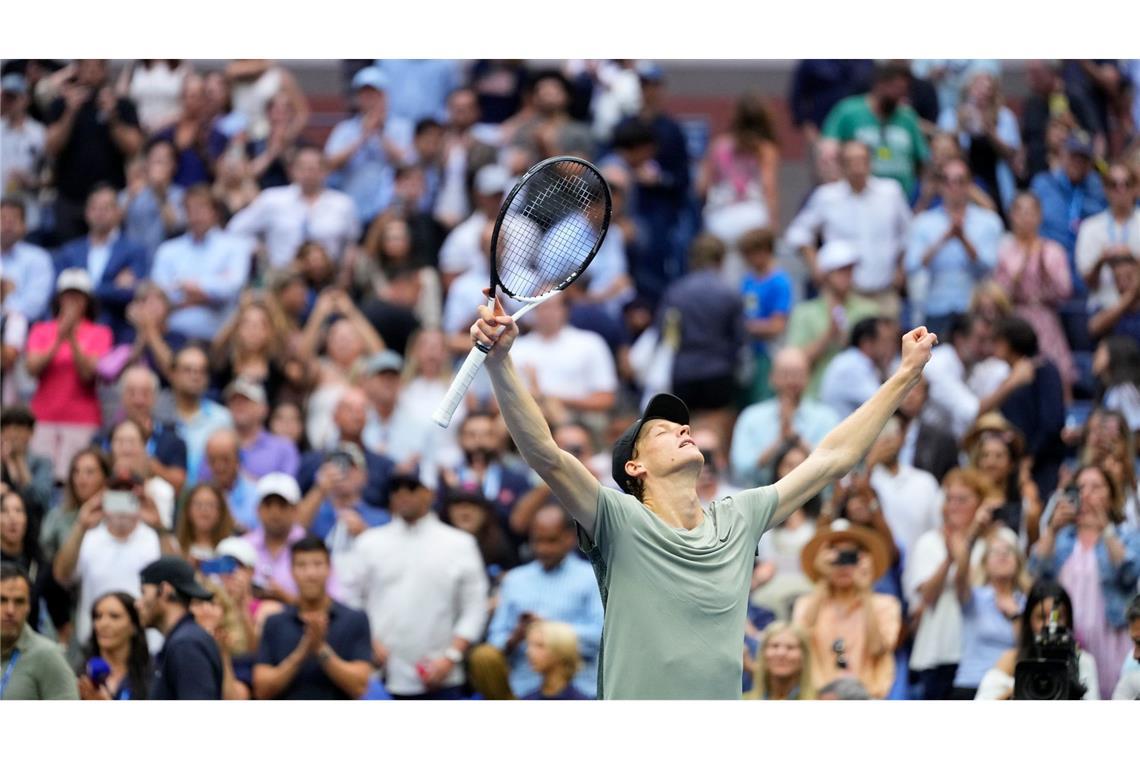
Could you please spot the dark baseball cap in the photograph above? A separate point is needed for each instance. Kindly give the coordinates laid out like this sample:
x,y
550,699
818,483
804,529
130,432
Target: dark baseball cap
x,y
663,406
178,573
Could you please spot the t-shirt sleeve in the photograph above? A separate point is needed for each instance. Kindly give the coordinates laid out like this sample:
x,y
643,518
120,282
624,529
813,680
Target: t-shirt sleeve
x,y
360,648
39,339
757,505
611,518
799,329
267,653
834,124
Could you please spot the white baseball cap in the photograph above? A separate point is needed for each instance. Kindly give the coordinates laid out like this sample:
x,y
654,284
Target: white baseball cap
x,y
278,484
74,279
239,549
836,254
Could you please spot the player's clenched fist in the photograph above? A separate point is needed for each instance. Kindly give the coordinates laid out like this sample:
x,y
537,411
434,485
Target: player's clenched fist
x,y
916,347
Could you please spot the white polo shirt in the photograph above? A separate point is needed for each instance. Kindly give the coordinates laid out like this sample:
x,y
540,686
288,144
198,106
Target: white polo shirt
x,y
572,365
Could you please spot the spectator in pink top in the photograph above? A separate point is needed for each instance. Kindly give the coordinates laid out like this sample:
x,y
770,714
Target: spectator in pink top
x,y
62,354
1035,273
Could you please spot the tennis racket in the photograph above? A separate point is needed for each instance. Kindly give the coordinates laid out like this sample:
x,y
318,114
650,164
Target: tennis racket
x,y
549,229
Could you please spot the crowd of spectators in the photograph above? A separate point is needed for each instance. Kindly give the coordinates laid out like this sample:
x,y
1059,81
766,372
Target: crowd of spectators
x,y
225,330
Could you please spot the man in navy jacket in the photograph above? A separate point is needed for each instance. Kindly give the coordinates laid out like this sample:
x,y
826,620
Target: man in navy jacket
x,y
116,265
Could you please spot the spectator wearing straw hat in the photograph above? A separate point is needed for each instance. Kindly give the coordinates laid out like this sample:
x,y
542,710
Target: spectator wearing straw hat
x,y
852,631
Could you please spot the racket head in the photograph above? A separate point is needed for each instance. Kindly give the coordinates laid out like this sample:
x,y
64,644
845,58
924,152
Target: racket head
x,y
549,228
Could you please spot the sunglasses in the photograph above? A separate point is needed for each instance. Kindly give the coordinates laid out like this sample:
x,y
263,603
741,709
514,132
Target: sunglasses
x,y
1118,184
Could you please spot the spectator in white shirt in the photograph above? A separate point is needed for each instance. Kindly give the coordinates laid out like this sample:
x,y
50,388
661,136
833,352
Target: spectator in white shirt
x,y
868,212
107,547
856,373
1113,233
462,249
26,273
201,272
952,406
306,210
21,142
424,588
909,497
570,366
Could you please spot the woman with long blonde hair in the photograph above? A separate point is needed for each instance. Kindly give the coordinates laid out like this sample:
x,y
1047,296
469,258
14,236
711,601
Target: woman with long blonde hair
x,y
205,519
992,596
251,345
552,650
783,667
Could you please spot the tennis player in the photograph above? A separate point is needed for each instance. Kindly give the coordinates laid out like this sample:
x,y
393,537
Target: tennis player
x,y
674,574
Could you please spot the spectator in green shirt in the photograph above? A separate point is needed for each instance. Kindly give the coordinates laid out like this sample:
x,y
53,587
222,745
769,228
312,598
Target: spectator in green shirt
x,y
821,326
33,666
888,126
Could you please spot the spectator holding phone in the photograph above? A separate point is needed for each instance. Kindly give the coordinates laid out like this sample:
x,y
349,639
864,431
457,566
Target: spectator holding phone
x,y
319,648
852,630
117,662
1085,546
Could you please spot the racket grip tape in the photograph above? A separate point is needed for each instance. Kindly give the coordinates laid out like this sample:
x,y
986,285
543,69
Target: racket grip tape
x,y
459,386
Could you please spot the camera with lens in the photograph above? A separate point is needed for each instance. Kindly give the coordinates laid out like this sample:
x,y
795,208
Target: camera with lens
x,y
1050,671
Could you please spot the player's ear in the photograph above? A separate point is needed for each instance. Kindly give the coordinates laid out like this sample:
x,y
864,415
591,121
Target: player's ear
x,y
633,468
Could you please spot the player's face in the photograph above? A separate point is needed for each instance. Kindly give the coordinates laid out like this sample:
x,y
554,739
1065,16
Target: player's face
x,y
665,447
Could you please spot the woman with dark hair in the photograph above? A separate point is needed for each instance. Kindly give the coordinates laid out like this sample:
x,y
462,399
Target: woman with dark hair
x,y
62,354
1088,549
252,345
472,513
389,249
19,543
288,421
204,520
738,178
119,640
1116,365
86,477
1043,598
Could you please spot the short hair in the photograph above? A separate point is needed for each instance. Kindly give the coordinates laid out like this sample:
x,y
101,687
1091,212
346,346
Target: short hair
x,y
632,134
202,192
17,416
191,346
102,187
480,414
423,125
759,239
864,329
309,543
1019,334
889,71
554,74
139,369
961,325
11,201
706,251
10,570
158,141
845,688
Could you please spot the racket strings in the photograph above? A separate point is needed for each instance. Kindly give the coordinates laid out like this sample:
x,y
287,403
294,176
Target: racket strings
x,y
547,234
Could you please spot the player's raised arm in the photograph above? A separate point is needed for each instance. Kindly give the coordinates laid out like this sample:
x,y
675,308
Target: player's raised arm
x,y
846,444
573,485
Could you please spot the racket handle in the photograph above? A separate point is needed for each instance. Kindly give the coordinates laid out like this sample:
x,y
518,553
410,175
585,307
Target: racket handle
x,y
459,386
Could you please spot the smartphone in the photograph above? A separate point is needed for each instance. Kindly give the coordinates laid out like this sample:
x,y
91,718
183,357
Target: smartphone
x,y
847,557
1073,494
120,503
218,566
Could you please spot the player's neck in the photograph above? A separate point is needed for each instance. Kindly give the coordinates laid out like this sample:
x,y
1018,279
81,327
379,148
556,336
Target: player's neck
x,y
674,499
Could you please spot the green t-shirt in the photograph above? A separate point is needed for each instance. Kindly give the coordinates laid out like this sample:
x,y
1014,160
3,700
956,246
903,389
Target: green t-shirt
x,y
811,319
675,600
40,672
896,147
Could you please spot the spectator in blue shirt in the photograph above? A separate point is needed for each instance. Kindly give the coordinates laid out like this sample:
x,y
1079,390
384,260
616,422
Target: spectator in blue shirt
x,y
154,209
364,150
25,269
116,265
197,143
318,648
189,665
196,417
767,293
418,88
1068,196
203,271
557,586
955,245
334,508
